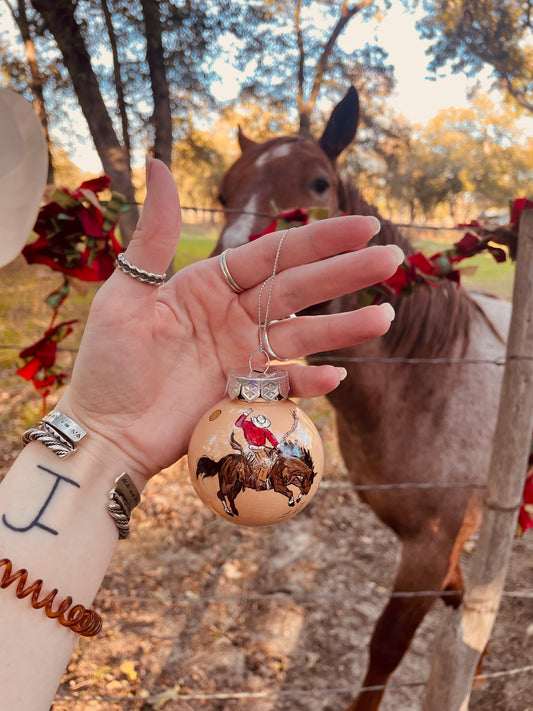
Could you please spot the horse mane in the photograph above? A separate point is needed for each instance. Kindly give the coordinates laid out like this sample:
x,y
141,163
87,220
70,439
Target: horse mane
x,y
305,457
430,321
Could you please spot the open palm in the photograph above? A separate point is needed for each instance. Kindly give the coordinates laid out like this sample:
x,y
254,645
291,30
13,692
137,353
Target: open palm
x,y
153,360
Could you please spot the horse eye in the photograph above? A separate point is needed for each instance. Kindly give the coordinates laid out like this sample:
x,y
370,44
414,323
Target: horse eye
x,y
222,200
319,185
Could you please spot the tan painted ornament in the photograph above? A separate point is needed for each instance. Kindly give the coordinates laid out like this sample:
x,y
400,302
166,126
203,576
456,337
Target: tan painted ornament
x,y
255,458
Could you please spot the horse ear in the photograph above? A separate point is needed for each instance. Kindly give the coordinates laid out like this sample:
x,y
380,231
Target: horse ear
x,y
342,125
244,141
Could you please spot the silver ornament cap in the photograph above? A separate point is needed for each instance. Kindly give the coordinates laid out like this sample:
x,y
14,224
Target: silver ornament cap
x,y
272,385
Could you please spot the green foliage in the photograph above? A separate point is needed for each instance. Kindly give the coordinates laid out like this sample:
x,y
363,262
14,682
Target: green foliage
x,y
459,164
307,36
470,34
464,160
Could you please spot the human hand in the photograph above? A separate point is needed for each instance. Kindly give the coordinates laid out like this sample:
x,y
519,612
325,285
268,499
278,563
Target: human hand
x,y
152,360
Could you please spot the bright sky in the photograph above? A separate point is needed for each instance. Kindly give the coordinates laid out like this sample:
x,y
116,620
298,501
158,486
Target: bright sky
x,y
417,96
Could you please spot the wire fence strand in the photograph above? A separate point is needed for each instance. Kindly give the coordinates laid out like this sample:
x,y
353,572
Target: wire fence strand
x,y
302,597
170,695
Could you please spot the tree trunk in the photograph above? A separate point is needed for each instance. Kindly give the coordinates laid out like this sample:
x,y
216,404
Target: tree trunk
x,y
119,85
59,19
21,19
162,116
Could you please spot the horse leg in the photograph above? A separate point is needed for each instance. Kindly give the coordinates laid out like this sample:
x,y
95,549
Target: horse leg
x,y
222,496
423,566
232,495
282,489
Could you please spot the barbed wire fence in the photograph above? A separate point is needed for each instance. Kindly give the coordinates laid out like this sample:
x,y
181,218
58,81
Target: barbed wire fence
x,y
382,594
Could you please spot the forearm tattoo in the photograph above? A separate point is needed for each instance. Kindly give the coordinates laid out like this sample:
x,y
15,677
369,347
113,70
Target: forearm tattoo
x,y
36,522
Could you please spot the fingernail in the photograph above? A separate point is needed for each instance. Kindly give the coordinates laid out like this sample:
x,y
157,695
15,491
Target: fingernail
x,y
377,224
389,309
398,251
342,373
148,166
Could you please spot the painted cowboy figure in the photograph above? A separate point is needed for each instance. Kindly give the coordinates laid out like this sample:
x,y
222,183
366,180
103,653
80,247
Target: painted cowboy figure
x,y
258,438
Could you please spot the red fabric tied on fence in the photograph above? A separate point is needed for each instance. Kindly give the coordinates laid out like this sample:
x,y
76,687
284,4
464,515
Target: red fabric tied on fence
x,y
282,221
525,517
75,235
518,205
40,357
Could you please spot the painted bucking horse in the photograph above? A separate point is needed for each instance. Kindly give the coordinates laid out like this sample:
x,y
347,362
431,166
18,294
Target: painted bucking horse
x,y
236,473
398,422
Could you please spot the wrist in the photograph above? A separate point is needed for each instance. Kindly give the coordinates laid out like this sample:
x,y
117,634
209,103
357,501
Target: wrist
x,y
98,468
104,457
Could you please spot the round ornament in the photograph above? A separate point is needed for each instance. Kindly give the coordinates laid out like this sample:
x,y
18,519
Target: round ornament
x,y
255,458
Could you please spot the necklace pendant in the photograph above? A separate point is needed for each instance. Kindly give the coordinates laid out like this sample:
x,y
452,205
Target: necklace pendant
x,y
255,458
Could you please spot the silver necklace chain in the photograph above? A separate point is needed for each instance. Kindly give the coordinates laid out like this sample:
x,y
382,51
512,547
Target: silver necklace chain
x,y
263,325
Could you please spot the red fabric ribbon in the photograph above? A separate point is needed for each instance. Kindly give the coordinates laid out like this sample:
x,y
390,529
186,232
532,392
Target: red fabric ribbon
x,y
75,236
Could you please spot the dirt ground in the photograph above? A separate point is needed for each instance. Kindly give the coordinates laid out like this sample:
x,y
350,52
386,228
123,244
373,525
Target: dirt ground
x,y
201,614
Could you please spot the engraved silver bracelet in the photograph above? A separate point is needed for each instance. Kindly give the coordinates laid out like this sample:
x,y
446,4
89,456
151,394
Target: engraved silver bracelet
x,y
58,432
123,498
61,435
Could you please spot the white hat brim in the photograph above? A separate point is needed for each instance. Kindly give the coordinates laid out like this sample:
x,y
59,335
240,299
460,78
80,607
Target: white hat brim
x,y
23,172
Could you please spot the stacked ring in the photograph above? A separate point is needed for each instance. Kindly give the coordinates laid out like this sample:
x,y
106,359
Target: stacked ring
x,y
227,275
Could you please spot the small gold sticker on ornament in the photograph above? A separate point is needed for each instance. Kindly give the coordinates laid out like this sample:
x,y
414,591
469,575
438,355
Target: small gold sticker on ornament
x,y
214,415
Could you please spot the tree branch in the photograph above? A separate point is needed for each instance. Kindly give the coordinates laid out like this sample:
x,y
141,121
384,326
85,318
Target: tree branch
x,y
301,65
345,16
117,77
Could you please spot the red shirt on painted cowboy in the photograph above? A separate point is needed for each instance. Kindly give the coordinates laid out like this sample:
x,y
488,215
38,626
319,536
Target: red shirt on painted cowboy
x,y
256,430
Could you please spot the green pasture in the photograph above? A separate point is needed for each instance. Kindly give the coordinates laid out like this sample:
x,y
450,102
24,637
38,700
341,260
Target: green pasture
x,y
23,313
24,316
196,242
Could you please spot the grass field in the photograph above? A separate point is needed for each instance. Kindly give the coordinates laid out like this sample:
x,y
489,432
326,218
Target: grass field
x,y
196,242
24,316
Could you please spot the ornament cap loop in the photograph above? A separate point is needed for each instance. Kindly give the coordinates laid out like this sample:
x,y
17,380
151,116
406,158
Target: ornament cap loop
x,y
270,386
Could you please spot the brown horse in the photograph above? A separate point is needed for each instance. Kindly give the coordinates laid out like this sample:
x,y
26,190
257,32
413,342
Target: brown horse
x,y
235,474
398,422
293,471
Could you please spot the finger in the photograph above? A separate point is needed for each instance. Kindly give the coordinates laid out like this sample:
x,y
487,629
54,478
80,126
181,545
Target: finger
x,y
155,239
313,380
298,288
304,335
252,263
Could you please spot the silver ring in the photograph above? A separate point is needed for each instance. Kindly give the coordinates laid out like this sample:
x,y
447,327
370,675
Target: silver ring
x,y
226,273
272,353
138,273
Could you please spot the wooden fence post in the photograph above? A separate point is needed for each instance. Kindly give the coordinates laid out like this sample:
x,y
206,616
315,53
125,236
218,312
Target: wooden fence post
x,y
465,632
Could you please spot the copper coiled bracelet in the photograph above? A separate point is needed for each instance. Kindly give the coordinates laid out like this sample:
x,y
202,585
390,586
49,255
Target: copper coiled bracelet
x,y
78,618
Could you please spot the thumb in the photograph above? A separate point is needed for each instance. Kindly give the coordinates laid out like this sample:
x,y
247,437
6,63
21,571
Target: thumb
x,y
155,239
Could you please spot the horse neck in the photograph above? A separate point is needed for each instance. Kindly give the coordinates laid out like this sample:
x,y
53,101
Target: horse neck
x,y
430,322
351,202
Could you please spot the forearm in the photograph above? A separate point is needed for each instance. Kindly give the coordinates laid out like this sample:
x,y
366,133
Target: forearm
x,y
53,523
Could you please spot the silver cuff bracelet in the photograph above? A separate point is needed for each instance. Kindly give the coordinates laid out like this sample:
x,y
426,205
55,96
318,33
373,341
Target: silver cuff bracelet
x,y
58,432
